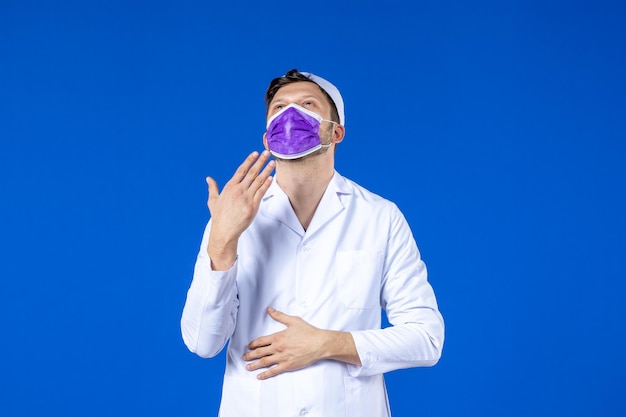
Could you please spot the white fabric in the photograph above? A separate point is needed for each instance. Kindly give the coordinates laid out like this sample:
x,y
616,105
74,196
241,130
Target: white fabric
x,y
357,256
332,91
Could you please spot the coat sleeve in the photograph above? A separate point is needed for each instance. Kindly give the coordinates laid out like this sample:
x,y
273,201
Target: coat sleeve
x,y
210,310
415,337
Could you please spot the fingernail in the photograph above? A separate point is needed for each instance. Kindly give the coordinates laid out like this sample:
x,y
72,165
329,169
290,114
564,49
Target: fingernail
x,y
270,309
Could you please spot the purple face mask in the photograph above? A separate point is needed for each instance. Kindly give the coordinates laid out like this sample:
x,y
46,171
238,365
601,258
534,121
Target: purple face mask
x,y
294,132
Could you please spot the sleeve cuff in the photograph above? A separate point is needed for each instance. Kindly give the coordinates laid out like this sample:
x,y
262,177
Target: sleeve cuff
x,y
205,277
364,355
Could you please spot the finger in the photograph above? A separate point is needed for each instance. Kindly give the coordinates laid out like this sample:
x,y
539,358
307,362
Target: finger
x,y
257,353
264,362
261,342
260,192
263,182
241,172
273,371
255,169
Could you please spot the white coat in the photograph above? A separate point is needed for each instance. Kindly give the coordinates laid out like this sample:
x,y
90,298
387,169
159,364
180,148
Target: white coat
x,y
358,256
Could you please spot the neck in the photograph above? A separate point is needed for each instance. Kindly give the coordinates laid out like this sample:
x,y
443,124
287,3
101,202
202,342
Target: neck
x,y
304,181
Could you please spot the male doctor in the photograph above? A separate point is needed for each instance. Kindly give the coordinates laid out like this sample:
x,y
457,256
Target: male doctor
x,y
294,271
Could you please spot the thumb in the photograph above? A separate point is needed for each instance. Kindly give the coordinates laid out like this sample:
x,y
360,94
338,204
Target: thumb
x,y
278,316
213,189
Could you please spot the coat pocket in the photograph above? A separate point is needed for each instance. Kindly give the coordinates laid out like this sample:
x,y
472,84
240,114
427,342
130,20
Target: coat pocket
x,y
358,276
366,396
241,396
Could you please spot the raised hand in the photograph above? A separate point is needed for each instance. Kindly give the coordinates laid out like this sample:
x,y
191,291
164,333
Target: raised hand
x,y
234,208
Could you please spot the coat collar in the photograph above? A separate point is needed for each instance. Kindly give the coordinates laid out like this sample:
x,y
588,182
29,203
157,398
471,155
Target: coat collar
x,y
335,199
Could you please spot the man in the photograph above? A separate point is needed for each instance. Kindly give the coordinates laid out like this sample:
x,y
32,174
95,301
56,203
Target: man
x,y
295,270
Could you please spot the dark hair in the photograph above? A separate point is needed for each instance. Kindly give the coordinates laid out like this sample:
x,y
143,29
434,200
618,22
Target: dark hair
x,y
295,76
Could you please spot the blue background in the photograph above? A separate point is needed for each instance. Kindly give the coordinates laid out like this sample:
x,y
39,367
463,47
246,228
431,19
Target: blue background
x,y
497,127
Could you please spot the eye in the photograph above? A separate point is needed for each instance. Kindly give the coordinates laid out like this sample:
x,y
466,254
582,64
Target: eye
x,y
277,107
308,104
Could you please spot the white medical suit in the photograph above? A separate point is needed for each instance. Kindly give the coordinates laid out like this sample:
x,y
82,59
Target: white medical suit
x,y
358,256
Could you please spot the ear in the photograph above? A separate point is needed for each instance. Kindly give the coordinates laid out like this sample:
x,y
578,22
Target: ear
x,y
265,141
338,133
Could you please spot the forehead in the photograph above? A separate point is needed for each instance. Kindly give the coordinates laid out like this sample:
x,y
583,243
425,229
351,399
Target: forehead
x,y
295,91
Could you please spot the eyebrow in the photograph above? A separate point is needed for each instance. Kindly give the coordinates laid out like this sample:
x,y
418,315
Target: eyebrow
x,y
300,98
